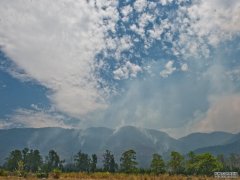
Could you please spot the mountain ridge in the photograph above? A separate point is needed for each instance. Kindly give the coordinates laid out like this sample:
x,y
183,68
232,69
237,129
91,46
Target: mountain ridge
x,y
67,142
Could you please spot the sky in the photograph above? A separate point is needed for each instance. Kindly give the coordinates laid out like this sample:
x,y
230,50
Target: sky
x,y
171,65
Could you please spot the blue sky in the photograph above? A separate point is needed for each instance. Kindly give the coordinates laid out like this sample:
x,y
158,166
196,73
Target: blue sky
x,y
171,65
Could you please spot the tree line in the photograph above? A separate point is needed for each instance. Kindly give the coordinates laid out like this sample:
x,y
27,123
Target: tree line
x,y
30,160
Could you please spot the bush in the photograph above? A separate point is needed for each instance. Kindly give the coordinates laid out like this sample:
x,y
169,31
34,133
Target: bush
x,y
56,173
23,174
42,175
3,172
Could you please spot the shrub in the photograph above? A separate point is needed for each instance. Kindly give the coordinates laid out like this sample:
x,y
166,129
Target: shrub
x,y
42,175
3,172
56,173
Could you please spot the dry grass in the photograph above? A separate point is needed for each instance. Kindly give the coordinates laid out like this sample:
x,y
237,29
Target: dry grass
x,y
116,176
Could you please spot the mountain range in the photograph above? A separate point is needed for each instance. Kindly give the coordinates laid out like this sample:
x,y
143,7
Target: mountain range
x,y
67,142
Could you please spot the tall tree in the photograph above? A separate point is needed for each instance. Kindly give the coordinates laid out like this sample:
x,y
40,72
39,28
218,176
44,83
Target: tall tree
x,y
176,163
206,164
128,161
82,162
190,164
109,163
93,164
157,164
25,152
13,160
32,159
202,164
234,162
222,159
53,161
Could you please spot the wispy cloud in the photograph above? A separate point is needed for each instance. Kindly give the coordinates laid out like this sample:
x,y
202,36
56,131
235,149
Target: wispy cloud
x,y
34,118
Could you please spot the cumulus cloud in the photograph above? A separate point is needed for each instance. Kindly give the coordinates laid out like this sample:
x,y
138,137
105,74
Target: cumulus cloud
x,y
127,70
204,24
169,69
191,23
164,2
184,67
126,12
139,5
224,17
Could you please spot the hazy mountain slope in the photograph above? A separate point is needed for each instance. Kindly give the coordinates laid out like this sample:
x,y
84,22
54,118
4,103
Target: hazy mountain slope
x,y
198,140
144,141
235,138
231,146
221,149
132,138
67,142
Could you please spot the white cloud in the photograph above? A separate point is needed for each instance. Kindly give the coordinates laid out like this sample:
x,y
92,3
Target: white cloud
x,y
137,30
184,67
120,45
144,19
205,24
34,119
158,30
54,43
126,10
215,20
165,2
140,5
127,70
169,69
4,124
125,43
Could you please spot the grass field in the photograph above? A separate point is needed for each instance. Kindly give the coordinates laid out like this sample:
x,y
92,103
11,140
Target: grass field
x,y
116,176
